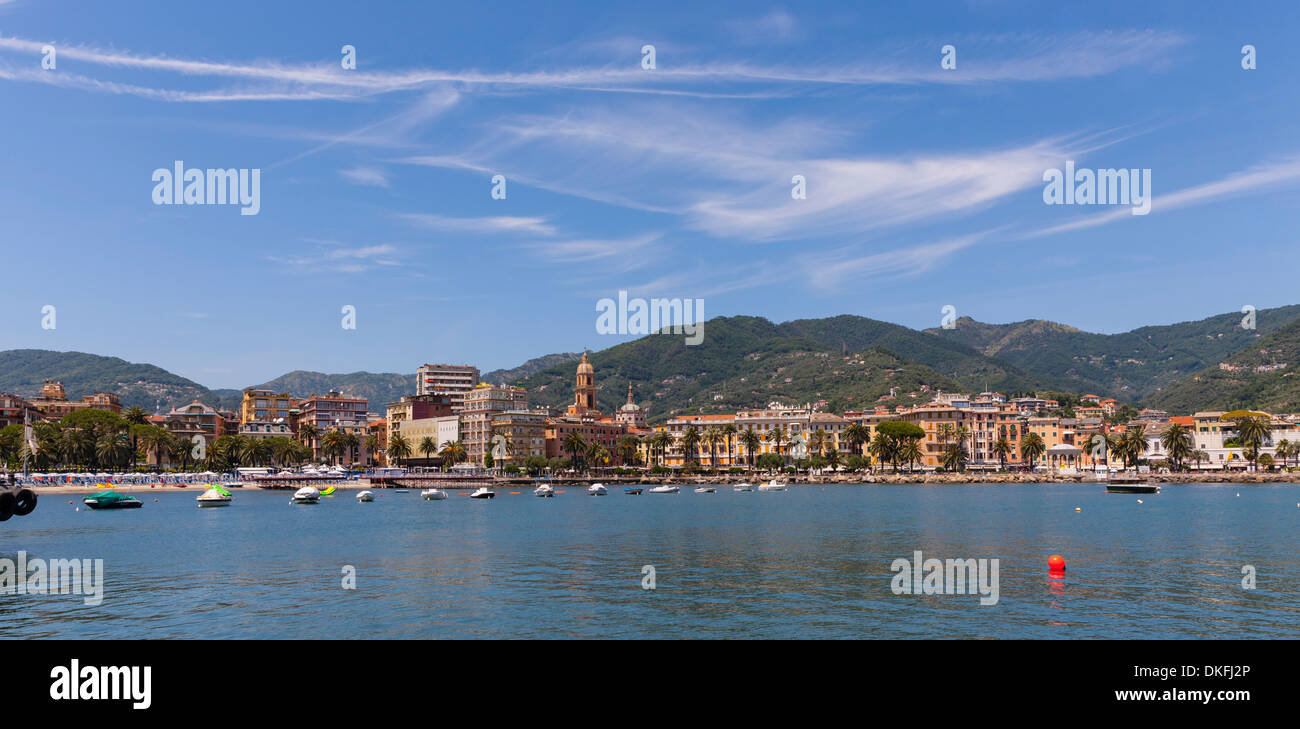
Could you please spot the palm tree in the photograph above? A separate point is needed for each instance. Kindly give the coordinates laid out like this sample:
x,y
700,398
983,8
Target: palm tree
x,y
1284,451
777,435
374,446
856,434
833,458
1133,443
598,454
626,448
427,447
453,452
398,447
910,451
333,445
1253,433
751,440
350,444
1002,449
574,445
1177,442
1031,447
112,449
955,457
818,441
884,449
660,442
712,437
1099,444
308,433
690,442
728,432
1199,455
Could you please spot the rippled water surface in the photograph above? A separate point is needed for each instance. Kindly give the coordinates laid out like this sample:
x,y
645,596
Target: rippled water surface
x,y
811,562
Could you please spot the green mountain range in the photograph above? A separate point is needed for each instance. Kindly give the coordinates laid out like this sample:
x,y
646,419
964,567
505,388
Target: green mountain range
x,y
1131,366
844,362
1262,376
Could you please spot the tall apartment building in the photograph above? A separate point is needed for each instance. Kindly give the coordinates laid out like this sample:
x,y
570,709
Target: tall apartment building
x,y
265,405
440,379
481,404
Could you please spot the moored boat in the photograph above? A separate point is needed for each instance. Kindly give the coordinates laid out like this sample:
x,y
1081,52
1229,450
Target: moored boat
x,y
772,485
705,490
483,492
433,494
111,500
1128,483
665,489
215,496
305,495
632,490
545,491
366,497
597,489
742,487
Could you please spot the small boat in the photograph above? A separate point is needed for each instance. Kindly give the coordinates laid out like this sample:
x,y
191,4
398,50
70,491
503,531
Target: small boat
x,y
597,489
632,490
305,495
111,500
401,491
483,492
215,496
772,485
742,487
665,489
544,490
1131,484
232,485
366,497
705,490
433,494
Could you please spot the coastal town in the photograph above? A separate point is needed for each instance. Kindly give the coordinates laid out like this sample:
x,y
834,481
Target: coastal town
x,y
454,422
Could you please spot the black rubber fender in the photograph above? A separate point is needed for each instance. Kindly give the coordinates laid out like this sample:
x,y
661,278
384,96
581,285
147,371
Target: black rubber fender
x,y
8,502
26,502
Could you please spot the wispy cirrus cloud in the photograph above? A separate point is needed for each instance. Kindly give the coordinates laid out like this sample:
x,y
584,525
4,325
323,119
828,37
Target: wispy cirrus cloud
x,y
834,270
336,257
486,225
369,176
1260,177
1005,59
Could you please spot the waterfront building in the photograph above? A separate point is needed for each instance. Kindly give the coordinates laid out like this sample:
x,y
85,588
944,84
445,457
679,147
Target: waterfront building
x,y
420,407
15,410
792,419
441,430
477,411
196,419
676,427
833,425
262,429
378,427
631,414
333,409
265,405
55,404
524,432
444,379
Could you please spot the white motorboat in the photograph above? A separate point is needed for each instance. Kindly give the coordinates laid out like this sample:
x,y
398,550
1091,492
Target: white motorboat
x,y
665,489
742,487
306,495
772,485
215,496
366,496
483,492
545,490
433,494
705,490
597,489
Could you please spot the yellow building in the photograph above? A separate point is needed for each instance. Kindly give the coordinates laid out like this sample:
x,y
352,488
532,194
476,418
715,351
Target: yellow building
x,y
265,405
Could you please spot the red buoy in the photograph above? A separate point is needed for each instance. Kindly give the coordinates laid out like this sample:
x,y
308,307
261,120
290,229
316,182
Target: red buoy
x,y
1056,563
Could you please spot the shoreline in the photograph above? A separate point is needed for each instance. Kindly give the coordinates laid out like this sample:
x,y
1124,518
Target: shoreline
x,y
991,479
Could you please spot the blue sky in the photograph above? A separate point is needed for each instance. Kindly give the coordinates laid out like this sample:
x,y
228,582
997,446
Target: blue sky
x,y
924,185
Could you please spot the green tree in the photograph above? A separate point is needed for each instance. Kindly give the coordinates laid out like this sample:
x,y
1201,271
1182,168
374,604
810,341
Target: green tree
x,y
1031,448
